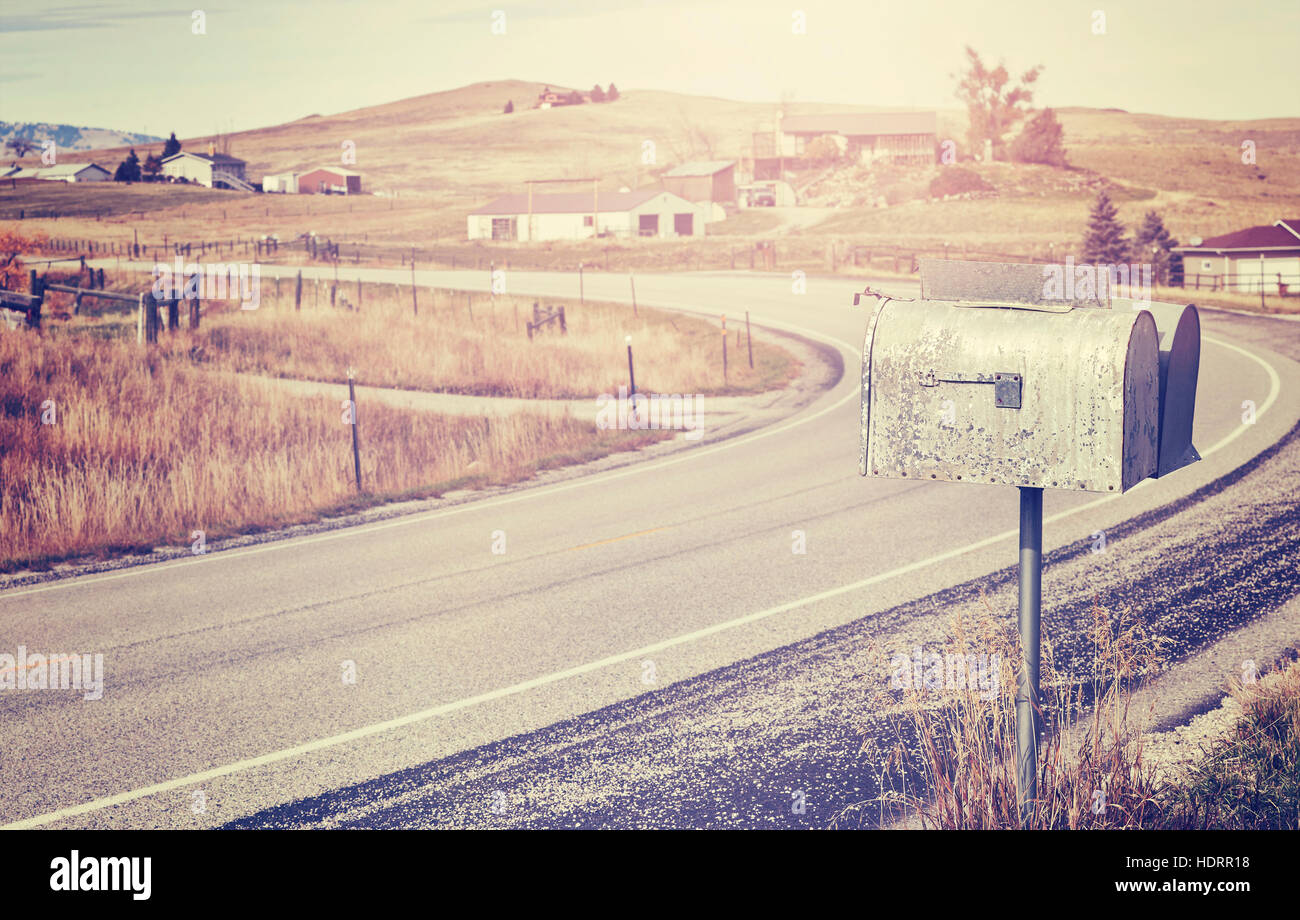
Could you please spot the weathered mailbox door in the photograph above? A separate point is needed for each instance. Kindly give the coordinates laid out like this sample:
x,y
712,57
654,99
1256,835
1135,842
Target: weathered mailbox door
x,y
1013,394
1180,363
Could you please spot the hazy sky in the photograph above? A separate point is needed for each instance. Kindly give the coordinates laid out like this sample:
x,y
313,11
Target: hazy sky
x,y
137,65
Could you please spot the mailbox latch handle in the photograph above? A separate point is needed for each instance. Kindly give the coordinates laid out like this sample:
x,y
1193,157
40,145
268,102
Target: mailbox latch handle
x,y
1006,385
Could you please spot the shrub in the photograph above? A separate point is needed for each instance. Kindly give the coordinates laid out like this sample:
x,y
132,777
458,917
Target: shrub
x,y
957,180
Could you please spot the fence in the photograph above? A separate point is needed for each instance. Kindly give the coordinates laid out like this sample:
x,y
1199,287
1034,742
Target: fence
x,y
1284,285
691,254
148,306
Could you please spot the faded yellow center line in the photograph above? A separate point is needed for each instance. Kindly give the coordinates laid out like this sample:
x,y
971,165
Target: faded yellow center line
x,y
626,536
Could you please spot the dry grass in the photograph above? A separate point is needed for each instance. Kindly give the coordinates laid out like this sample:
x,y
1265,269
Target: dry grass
x,y
953,765
144,450
478,344
1090,770
1251,779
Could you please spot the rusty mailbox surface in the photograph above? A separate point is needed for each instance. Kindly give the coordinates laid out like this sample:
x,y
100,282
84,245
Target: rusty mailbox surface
x,y
1050,395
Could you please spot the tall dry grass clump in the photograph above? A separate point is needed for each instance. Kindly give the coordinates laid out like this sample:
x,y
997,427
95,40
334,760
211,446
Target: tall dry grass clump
x,y
104,445
954,762
478,344
1249,780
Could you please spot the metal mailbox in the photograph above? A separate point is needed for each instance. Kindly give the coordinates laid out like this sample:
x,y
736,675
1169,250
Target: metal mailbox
x,y
995,376
1040,395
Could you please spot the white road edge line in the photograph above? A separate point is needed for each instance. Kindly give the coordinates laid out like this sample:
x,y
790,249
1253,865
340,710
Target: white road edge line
x,y
423,715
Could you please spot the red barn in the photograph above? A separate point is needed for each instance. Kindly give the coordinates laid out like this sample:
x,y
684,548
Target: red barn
x,y
329,180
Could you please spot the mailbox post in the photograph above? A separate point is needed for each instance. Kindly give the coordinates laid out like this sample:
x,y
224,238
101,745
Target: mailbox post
x,y
1028,704
1000,375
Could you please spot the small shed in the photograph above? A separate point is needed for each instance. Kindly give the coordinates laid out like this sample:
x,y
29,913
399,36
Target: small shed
x,y
283,183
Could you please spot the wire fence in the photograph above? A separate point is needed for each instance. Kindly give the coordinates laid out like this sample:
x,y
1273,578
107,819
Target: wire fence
x,y
707,253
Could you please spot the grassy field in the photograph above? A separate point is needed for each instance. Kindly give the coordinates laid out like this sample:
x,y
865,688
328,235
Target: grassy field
x,y
434,158
458,343
1189,169
111,449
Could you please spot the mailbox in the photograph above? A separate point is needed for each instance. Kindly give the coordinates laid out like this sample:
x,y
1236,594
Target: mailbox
x,y
1054,394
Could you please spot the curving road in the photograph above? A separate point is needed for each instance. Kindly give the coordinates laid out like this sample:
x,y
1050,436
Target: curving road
x,y
224,698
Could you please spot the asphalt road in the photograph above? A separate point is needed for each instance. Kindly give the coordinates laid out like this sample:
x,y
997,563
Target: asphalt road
x,y
664,594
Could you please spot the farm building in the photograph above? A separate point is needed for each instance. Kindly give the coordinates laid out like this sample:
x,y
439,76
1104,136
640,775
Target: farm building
x,y
889,137
285,183
648,212
329,180
712,180
64,172
1246,259
215,170
550,98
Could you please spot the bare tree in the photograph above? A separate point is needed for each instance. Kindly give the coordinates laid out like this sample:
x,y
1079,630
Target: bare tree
x,y
21,146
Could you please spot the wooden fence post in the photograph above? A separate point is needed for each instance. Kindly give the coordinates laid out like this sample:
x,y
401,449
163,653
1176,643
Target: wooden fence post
x,y
356,447
724,349
37,288
297,293
152,321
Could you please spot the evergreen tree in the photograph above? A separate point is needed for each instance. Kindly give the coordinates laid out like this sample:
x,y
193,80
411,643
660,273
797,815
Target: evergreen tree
x,y
597,94
152,167
1104,243
1153,241
612,93
129,169
575,98
510,106
172,147
1040,141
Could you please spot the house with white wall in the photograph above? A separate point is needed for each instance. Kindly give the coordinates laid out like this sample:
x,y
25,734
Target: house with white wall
x,y
1267,255
205,168
646,213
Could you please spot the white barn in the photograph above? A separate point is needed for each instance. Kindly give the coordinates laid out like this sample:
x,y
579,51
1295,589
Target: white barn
x,y
583,215
63,172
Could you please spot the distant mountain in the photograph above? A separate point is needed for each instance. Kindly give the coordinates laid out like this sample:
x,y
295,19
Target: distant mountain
x,y
69,137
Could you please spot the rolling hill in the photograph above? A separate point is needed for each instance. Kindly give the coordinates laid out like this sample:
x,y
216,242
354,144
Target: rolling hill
x,y
455,149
